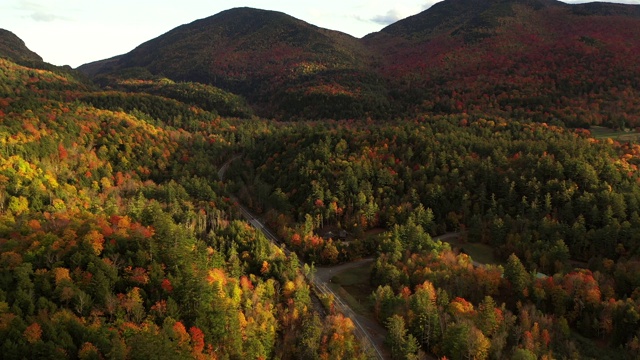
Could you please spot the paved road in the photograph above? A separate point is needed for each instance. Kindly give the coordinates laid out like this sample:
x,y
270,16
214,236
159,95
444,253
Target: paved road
x,y
369,331
377,332
364,327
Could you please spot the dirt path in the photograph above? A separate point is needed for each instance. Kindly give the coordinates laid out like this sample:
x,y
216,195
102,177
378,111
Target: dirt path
x,y
325,273
376,331
447,237
225,166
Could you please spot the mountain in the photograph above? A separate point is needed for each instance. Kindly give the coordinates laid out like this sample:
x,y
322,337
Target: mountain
x,y
539,59
12,47
119,236
461,16
283,65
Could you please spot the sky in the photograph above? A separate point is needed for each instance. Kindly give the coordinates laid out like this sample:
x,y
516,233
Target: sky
x,y
75,32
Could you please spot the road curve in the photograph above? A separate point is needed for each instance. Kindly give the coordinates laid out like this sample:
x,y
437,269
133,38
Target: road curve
x,y
362,331
225,166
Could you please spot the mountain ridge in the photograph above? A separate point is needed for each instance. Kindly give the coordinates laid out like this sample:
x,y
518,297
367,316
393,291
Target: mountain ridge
x,y
14,48
542,60
269,57
228,29
431,62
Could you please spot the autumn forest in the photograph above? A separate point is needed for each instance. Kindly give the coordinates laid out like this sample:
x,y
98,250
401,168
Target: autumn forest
x,y
476,165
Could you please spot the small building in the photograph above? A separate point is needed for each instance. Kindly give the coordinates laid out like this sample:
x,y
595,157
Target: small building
x,y
340,235
329,235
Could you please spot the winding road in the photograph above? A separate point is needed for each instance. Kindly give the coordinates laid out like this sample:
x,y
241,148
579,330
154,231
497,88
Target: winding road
x,y
376,332
364,327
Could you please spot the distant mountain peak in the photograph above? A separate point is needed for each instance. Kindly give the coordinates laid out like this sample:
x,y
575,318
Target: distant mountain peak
x,y
526,53
244,21
12,47
473,20
451,15
251,52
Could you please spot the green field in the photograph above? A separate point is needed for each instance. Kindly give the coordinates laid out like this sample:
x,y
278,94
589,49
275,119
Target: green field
x,y
481,253
353,286
601,132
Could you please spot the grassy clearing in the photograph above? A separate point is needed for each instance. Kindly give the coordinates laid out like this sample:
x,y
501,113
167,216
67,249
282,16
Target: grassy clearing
x,y
353,286
481,253
629,137
601,132
590,349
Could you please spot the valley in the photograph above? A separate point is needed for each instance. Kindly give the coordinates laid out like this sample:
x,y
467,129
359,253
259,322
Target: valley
x,y
462,184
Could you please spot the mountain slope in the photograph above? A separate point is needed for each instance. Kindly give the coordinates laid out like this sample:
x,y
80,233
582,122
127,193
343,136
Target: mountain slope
x,y
275,60
99,200
12,47
539,59
472,20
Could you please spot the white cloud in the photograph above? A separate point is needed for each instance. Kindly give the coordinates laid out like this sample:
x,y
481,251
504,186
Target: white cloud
x,y
37,11
400,12
45,17
390,17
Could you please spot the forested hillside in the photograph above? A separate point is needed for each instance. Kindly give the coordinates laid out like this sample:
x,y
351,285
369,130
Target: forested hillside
x,y
545,61
284,66
557,209
13,47
454,152
525,59
118,241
